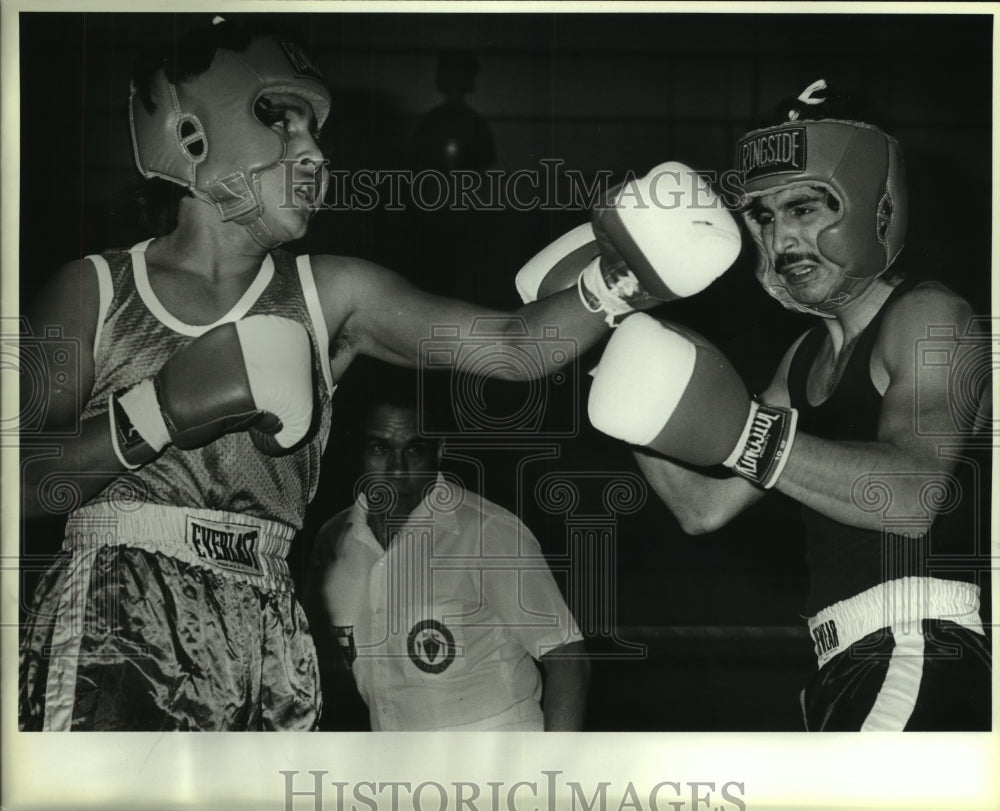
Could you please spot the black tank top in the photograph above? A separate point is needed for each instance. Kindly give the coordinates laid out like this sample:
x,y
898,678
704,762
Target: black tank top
x,y
845,560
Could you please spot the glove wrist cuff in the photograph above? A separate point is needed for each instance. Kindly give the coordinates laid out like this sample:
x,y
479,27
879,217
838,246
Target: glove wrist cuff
x,y
597,296
762,452
138,430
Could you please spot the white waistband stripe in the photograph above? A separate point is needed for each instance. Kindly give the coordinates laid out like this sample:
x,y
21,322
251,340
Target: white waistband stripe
x,y
900,605
236,545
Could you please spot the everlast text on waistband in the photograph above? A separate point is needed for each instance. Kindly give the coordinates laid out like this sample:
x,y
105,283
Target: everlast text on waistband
x,y
236,550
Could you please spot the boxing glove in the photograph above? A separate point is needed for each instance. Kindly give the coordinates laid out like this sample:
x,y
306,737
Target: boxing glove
x,y
668,389
254,374
663,236
558,265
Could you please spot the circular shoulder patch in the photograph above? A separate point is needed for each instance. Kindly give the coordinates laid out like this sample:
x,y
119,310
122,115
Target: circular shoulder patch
x,y
431,646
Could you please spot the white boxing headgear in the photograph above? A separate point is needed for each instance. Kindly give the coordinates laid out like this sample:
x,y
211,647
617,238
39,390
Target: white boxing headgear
x,y
202,132
862,167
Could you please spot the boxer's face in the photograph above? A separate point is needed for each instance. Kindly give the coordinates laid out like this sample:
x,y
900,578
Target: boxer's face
x,y
790,222
292,194
396,455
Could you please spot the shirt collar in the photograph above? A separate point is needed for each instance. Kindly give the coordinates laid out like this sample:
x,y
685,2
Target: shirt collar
x,y
440,502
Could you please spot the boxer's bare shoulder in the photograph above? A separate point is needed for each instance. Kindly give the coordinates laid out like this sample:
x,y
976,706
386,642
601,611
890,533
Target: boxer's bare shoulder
x,y
67,307
930,311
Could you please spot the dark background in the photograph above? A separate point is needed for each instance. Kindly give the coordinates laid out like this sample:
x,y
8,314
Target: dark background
x,y
719,615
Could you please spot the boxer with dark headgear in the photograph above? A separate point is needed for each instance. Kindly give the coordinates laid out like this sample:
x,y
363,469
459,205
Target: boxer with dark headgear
x,y
861,171
192,438
859,425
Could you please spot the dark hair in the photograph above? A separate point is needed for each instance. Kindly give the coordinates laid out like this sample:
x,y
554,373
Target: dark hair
x,y
189,56
371,383
835,101
150,207
192,53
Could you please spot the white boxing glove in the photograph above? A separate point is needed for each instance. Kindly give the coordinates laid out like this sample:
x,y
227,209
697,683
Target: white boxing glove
x,y
663,236
668,389
557,266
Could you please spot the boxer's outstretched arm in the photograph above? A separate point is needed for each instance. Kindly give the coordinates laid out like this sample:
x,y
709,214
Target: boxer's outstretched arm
x,y
377,312
69,303
643,252
918,409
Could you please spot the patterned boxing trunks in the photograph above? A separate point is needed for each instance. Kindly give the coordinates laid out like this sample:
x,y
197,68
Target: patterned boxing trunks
x,y
165,618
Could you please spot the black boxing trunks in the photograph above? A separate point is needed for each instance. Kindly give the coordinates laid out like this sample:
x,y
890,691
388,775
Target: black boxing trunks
x,y
907,655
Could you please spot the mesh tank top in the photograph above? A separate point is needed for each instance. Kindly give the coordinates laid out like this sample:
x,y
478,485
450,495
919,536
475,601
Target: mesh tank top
x,y
135,337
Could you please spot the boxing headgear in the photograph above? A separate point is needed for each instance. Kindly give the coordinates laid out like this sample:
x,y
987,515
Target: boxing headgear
x,y
861,166
203,134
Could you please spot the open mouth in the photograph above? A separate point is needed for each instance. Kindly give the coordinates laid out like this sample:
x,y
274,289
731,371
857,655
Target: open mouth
x,y
309,188
799,272
306,193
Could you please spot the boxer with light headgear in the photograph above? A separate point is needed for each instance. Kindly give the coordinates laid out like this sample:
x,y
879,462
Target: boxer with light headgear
x,y
856,425
191,439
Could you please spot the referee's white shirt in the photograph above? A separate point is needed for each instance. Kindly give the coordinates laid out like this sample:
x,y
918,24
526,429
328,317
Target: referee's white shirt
x,y
449,619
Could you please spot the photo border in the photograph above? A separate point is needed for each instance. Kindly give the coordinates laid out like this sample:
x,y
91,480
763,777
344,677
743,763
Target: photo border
x,y
229,770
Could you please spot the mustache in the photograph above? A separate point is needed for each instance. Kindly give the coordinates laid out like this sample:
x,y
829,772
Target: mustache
x,y
784,260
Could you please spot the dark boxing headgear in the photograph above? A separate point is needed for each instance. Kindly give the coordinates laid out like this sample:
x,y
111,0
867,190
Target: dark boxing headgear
x,y
856,162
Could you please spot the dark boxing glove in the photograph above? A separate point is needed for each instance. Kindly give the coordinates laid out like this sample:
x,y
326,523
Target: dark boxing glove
x,y
250,375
